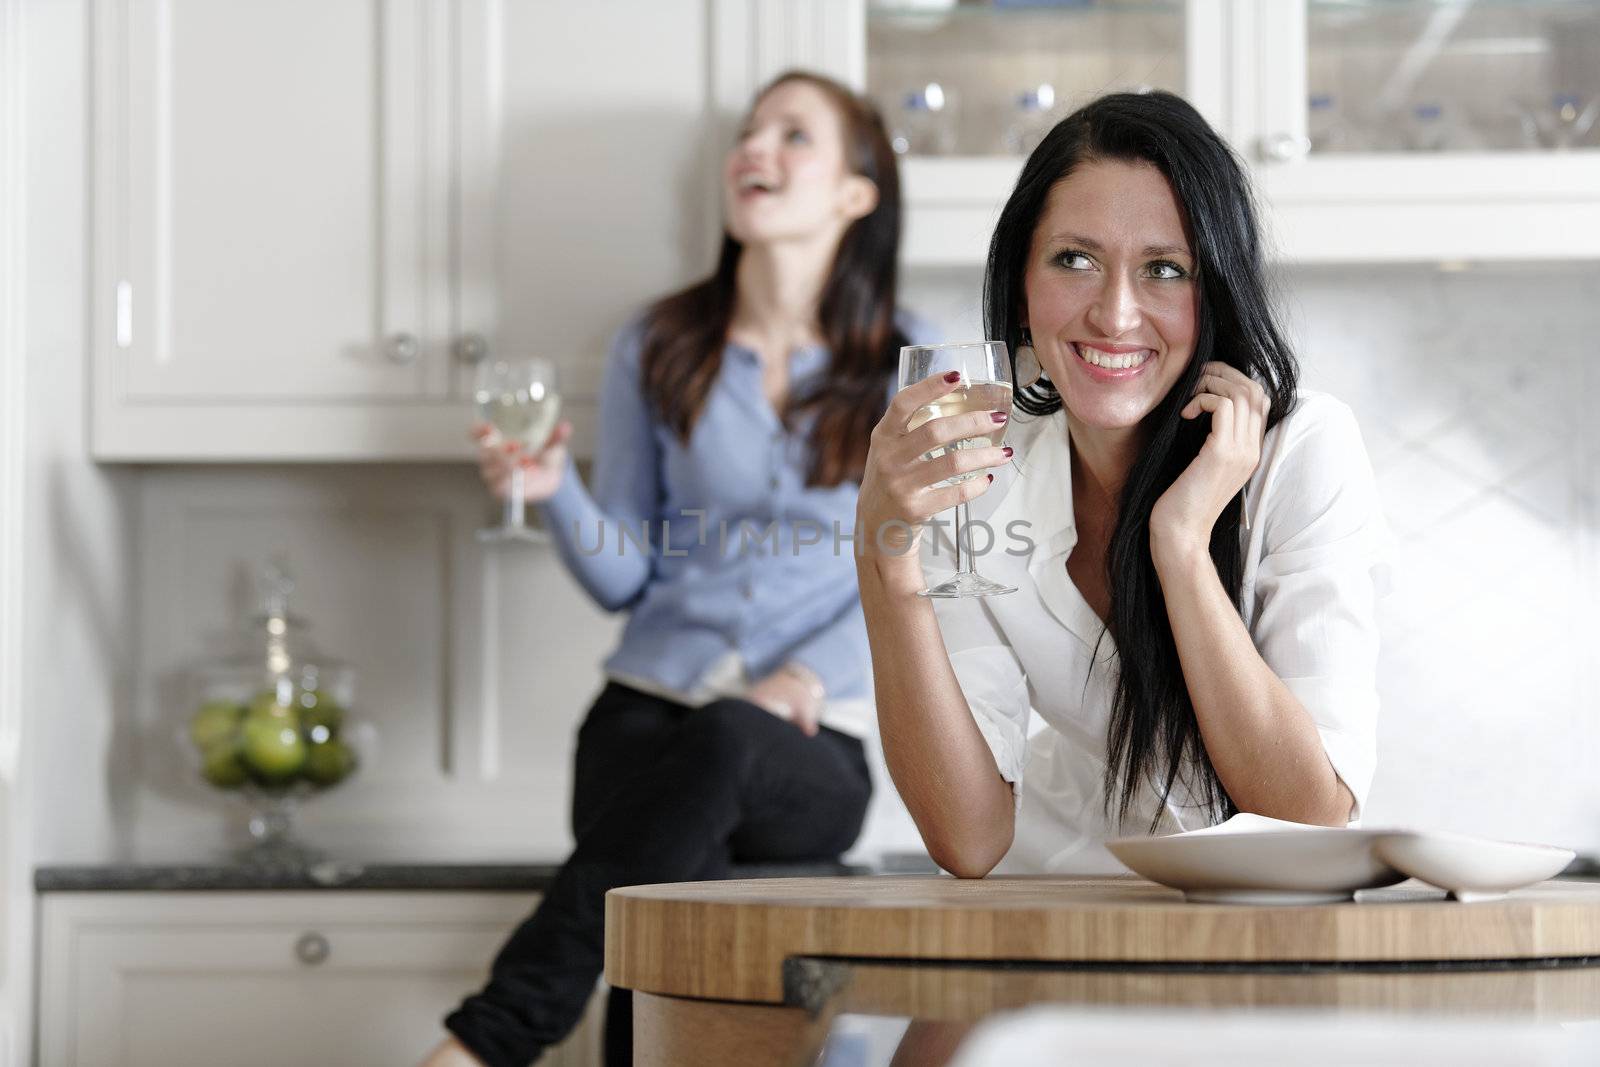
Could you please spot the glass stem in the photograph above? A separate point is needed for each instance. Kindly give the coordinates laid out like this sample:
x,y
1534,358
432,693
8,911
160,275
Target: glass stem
x,y
963,561
514,509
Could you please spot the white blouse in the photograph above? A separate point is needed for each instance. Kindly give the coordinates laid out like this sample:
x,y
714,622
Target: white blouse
x,y
1315,562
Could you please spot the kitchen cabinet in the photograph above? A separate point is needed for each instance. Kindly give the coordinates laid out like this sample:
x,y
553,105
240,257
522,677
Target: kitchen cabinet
x,y
1418,130
312,219
275,219
267,978
290,224
1427,130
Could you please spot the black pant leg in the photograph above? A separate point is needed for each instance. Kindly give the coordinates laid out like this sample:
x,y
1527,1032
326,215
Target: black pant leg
x,y
812,810
673,822
620,737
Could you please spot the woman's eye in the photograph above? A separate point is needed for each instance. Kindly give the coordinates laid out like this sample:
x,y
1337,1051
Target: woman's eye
x,y
797,136
1075,261
1165,270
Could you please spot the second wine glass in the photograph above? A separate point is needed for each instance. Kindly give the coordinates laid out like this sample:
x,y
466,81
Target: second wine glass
x,y
518,398
985,368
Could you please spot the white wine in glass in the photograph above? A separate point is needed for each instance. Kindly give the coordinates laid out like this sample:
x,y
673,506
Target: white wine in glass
x,y
977,396
518,398
985,368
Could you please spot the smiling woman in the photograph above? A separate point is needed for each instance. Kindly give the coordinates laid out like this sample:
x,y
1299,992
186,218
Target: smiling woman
x,y
1194,616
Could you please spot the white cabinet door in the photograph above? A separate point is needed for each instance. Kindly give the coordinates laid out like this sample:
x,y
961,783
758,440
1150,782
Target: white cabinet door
x,y
1419,130
273,187
265,979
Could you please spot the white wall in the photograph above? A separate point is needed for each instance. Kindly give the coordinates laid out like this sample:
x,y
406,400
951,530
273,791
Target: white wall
x,y
66,519
16,851
1475,393
79,543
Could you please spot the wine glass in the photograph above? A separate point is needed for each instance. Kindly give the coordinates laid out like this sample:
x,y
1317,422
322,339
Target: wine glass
x,y
985,386
518,399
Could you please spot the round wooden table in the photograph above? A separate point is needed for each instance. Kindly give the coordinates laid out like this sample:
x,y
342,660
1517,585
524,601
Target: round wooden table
x,y
741,972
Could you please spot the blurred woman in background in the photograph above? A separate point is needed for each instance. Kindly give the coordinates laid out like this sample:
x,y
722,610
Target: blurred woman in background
x,y
733,430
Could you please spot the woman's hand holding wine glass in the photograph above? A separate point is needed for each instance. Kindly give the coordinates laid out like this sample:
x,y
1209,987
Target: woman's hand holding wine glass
x,y
518,409
542,468
940,432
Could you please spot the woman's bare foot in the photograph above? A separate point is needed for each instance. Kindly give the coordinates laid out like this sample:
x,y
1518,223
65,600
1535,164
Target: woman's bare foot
x,y
451,1053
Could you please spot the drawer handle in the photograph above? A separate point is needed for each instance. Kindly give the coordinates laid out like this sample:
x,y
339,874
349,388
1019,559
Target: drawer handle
x,y
1285,147
472,348
402,348
312,948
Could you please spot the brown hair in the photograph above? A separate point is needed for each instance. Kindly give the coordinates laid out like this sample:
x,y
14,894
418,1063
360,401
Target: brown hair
x,y
684,333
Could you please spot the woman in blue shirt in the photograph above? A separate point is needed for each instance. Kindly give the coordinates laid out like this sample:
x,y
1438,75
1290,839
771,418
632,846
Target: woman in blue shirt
x,y
734,424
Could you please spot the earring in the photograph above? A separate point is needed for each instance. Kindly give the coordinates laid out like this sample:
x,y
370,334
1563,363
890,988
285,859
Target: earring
x,y
1028,370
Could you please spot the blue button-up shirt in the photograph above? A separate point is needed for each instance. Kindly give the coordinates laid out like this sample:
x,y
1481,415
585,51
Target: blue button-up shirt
x,y
716,545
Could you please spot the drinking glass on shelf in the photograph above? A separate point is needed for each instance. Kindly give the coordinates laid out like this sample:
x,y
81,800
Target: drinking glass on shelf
x,y
1561,121
518,399
985,370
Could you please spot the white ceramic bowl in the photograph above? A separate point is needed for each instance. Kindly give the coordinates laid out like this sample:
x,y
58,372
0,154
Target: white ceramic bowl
x,y
1308,866
1470,868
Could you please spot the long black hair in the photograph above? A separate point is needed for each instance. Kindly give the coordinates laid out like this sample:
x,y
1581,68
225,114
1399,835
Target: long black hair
x,y
685,332
1153,730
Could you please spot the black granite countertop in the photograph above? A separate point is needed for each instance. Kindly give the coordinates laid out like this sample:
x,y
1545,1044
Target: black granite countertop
x,y
509,877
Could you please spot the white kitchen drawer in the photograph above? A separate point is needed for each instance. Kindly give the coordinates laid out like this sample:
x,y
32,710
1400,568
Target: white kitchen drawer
x,y
267,979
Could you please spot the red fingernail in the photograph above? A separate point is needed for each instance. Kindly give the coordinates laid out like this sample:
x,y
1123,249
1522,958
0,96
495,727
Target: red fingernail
x,y
991,477
1007,451
999,416
953,376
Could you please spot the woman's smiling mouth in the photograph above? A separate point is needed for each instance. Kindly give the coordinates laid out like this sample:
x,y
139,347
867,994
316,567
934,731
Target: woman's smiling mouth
x,y
1114,363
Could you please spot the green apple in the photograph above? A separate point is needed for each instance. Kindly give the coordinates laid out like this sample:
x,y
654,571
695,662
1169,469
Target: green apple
x,y
329,762
266,706
273,748
317,708
222,766
216,721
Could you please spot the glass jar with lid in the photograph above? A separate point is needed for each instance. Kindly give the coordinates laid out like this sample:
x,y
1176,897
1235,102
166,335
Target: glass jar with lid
x,y
271,722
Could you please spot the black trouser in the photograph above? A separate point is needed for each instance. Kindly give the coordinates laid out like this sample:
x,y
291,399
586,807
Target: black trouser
x,y
661,793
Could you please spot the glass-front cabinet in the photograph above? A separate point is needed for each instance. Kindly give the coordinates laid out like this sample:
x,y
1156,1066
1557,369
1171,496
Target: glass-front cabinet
x,y
968,88
989,79
1377,129
1428,129
1501,76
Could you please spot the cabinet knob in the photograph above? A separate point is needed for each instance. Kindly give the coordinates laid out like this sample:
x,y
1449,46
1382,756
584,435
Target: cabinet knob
x,y
1284,147
471,348
312,948
401,348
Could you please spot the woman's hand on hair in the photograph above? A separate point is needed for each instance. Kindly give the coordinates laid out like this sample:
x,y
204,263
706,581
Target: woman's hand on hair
x,y
794,694
541,470
1184,516
899,491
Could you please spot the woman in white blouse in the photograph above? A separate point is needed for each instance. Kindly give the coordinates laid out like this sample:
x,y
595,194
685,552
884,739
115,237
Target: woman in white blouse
x,y
1197,547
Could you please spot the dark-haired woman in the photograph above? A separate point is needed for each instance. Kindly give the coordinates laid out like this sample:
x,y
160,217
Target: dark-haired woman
x,y
735,418
1196,546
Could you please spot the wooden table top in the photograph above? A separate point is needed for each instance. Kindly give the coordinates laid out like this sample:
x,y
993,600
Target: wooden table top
x,y
728,940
